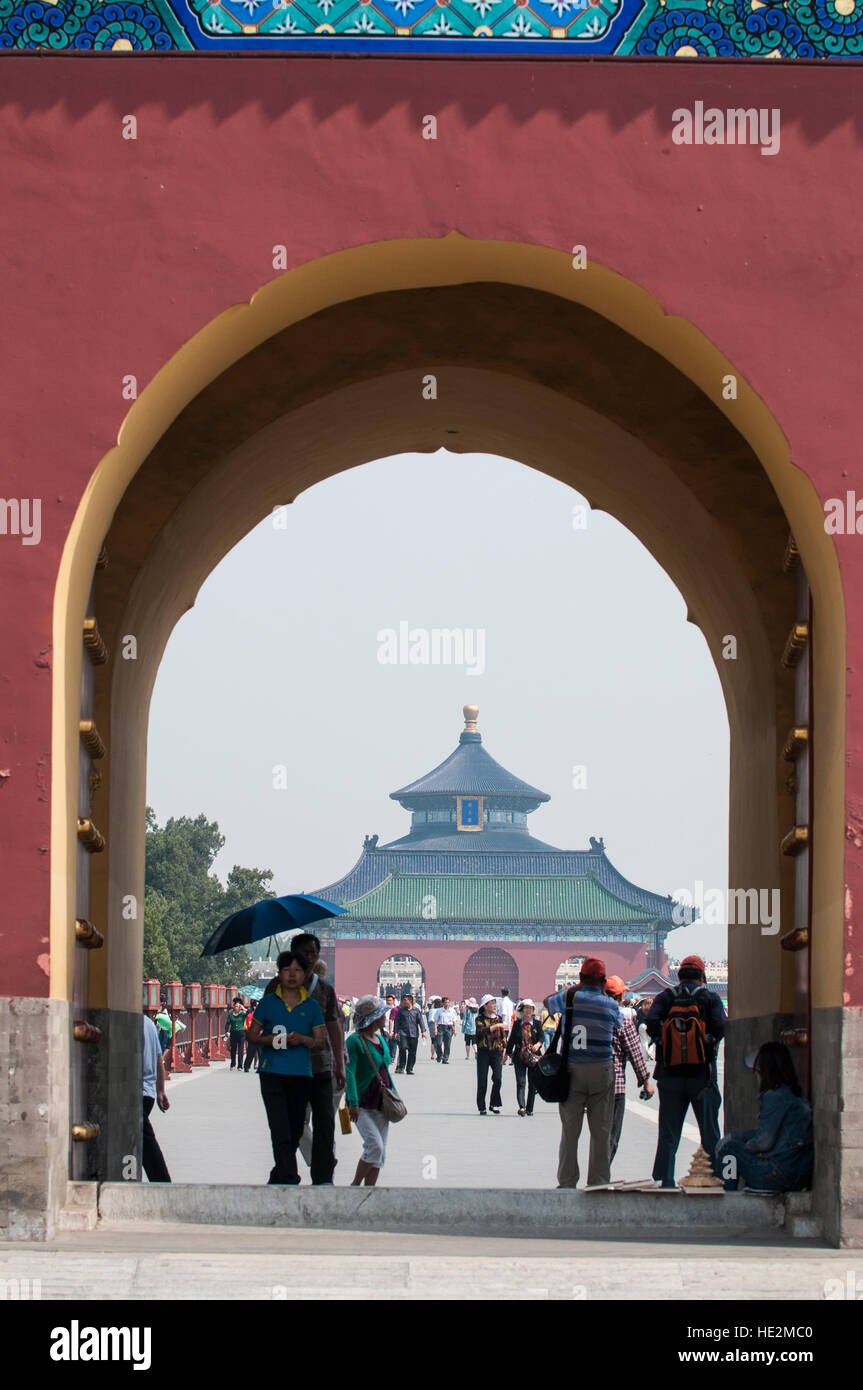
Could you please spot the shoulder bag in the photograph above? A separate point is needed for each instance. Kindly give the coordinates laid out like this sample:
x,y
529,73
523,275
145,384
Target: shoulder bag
x,y
528,1041
552,1070
393,1107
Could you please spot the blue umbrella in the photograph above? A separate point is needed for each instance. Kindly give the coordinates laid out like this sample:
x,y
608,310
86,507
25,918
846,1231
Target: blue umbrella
x,y
270,917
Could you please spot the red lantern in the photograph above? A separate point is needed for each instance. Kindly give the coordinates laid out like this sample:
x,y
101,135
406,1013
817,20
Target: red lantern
x,y
193,1005
214,997
193,996
151,996
174,1061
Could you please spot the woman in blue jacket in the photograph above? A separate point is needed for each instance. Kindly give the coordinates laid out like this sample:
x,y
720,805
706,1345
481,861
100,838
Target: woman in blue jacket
x,y
778,1155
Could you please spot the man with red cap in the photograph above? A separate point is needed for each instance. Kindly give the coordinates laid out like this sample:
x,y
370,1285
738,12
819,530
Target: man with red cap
x,y
687,1023
595,1020
624,1044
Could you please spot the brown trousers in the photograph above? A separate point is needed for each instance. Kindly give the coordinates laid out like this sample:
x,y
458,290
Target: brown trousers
x,y
591,1093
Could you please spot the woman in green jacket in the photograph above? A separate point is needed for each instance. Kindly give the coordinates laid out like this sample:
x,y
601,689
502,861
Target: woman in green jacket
x,y
236,1025
367,1073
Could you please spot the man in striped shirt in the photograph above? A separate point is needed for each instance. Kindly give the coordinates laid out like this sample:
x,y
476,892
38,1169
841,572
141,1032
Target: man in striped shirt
x,y
624,1044
595,1020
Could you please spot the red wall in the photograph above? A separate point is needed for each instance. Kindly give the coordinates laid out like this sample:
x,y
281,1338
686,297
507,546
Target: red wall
x,y
357,963
115,252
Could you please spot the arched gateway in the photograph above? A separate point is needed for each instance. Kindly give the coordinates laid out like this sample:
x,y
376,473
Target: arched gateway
x,y
490,971
318,373
567,972
401,974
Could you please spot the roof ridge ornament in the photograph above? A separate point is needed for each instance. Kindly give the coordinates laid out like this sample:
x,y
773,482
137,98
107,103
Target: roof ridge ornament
x,y
471,714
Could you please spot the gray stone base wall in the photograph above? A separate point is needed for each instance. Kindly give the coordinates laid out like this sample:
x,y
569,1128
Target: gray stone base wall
x,y
846,1137
36,1054
741,1087
35,1126
837,1109
114,1096
827,1100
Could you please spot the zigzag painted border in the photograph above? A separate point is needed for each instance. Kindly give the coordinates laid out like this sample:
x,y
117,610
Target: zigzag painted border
x,y
796,29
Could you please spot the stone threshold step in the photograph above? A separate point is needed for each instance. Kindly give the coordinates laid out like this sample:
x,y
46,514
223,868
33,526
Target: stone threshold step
x,y
463,1211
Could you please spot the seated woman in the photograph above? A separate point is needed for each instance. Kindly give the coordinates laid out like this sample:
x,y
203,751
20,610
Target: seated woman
x,y
778,1155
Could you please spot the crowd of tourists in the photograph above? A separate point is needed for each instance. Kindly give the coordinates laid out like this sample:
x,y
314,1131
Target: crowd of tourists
x,y
317,1060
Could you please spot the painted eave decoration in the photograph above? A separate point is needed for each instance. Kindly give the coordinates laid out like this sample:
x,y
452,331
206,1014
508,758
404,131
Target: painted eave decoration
x,y
624,28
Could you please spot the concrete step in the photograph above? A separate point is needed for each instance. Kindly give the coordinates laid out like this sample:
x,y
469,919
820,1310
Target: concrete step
x,y
80,1211
798,1203
465,1211
800,1220
76,1220
804,1227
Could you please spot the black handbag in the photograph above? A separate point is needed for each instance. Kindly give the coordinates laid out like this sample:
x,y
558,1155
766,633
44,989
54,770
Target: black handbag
x,y
552,1071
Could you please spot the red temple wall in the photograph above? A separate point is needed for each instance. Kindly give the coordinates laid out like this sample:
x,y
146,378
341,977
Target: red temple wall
x,y
358,962
119,251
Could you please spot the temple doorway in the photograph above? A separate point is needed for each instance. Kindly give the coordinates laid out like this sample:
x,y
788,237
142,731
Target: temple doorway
x,y
400,975
489,971
567,972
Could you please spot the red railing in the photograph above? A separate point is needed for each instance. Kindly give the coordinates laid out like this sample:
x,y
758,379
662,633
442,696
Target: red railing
x,y
202,1037
204,1028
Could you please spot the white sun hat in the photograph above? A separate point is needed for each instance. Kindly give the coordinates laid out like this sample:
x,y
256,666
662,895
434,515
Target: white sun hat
x,y
368,1010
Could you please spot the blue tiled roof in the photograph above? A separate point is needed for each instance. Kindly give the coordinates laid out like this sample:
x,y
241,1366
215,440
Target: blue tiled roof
x,y
470,770
503,851
430,839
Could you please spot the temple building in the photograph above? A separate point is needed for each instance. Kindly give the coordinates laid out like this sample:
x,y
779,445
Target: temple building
x,y
469,901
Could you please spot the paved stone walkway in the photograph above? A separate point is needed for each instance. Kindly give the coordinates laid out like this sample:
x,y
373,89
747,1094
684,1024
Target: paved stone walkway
x,y
449,1269
216,1131
157,1262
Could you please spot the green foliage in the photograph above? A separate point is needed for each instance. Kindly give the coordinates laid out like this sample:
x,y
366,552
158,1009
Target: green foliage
x,y
157,955
185,902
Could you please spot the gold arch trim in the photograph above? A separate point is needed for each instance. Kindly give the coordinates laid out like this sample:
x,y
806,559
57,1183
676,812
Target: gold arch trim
x,y
417,264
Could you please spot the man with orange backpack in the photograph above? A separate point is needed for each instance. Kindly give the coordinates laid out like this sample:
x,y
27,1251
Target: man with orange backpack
x,y
686,1022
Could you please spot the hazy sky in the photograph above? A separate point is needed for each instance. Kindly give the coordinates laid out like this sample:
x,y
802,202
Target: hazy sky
x,y
274,678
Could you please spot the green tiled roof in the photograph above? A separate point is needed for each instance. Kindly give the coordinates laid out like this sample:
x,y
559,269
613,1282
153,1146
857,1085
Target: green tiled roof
x,y
571,898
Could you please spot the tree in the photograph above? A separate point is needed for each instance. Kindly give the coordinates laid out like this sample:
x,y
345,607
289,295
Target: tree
x,y
185,902
157,955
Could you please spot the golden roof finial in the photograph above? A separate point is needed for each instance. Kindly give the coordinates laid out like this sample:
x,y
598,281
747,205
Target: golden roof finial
x,y
470,717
